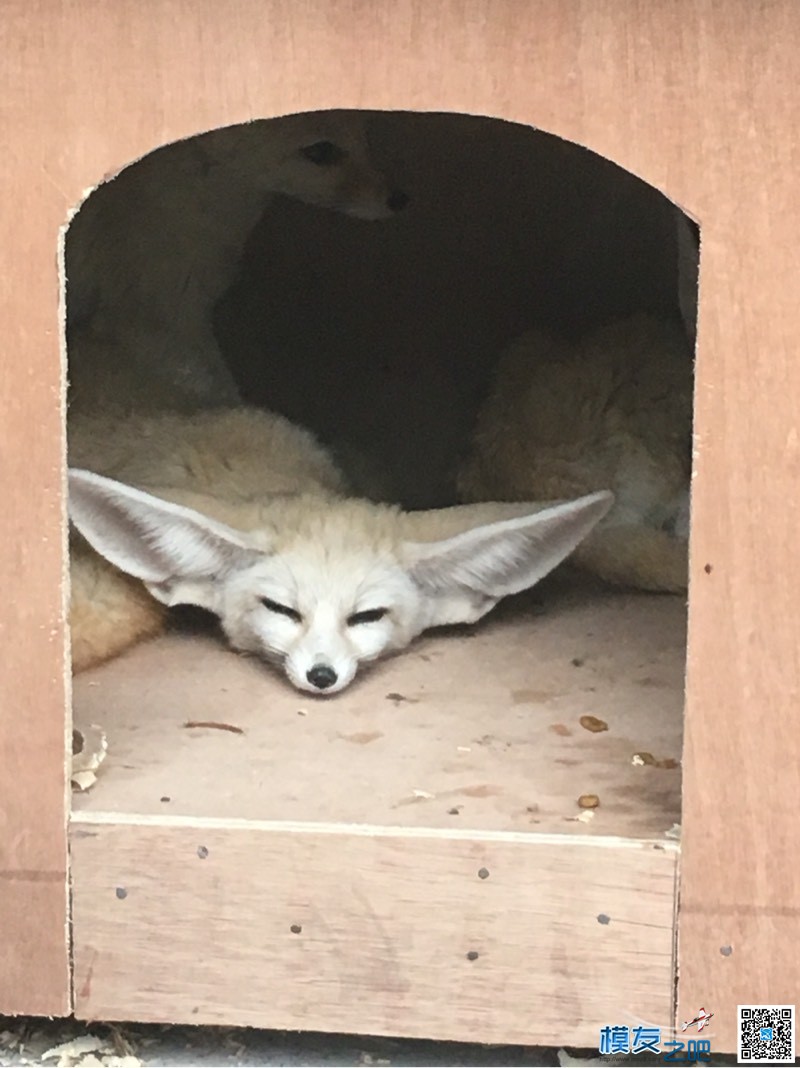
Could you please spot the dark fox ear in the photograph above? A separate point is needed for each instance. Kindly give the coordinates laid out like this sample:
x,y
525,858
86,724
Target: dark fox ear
x,y
470,572
176,551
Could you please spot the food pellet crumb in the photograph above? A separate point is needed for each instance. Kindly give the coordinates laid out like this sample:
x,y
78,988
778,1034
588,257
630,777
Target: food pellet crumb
x,y
588,801
592,723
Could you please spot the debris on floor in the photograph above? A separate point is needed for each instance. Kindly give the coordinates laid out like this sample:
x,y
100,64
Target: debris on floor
x,y
593,724
29,1042
566,1061
72,1044
87,1051
89,748
586,815
211,724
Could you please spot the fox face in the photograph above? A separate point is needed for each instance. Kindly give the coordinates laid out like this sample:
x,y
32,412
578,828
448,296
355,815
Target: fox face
x,y
319,615
324,585
329,166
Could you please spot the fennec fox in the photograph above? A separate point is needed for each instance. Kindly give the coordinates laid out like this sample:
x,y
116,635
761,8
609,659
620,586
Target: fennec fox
x,y
613,410
244,514
150,253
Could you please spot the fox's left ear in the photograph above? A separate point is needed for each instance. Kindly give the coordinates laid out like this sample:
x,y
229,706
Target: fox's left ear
x,y
466,575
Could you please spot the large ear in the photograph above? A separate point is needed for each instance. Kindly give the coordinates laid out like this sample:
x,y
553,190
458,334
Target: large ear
x,y
176,551
467,574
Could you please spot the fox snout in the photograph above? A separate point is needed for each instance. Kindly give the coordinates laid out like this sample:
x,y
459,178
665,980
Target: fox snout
x,y
320,675
371,206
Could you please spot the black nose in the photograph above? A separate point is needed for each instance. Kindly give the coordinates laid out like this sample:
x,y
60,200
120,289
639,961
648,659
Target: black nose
x,y
321,676
397,200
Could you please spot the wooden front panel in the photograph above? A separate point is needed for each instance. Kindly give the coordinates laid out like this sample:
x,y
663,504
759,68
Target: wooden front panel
x,y
700,99
382,931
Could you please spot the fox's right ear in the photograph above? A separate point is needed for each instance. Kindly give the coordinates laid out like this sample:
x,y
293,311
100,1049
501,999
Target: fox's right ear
x,y
176,551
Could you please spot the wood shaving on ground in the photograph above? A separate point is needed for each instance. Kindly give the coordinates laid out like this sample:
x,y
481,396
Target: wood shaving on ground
x,y
110,1060
674,832
75,1048
88,1051
29,1042
89,748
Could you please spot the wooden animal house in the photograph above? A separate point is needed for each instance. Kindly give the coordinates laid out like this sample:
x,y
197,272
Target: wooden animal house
x,y
579,811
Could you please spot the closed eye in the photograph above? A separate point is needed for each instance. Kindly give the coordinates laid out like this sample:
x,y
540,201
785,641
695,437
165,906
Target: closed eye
x,y
282,609
371,615
324,153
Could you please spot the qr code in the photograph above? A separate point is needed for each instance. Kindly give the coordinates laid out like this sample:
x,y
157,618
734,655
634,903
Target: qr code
x,y
766,1034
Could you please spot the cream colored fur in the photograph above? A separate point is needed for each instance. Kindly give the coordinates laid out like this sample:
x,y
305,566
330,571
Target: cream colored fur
x,y
150,253
225,509
613,410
